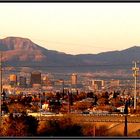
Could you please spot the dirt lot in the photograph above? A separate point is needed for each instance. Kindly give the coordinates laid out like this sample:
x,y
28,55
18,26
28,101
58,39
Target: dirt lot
x,y
119,127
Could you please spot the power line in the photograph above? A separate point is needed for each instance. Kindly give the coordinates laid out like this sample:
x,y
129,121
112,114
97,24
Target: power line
x,y
61,43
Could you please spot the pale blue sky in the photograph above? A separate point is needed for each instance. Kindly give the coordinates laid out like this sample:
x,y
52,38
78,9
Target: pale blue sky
x,y
73,27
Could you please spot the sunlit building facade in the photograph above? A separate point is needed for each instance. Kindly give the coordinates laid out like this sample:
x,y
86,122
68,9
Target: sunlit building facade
x,y
13,79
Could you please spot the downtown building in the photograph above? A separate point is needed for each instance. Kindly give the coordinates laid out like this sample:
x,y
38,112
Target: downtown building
x,y
114,83
74,82
98,84
13,79
35,79
22,82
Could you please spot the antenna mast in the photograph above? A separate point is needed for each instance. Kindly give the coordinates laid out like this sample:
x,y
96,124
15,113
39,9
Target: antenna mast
x,y
135,74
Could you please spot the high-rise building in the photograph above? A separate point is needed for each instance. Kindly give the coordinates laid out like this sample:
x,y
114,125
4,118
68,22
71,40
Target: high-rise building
x,y
59,85
74,79
13,79
35,78
22,81
98,84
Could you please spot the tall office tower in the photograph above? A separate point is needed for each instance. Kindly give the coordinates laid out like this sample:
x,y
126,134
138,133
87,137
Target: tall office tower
x,y
22,81
35,78
13,79
74,79
98,84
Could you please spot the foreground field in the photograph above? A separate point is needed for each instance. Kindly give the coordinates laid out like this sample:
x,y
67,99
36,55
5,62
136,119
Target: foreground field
x,y
113,123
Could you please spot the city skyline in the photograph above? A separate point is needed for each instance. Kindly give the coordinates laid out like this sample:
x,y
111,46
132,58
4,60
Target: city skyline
x,y
73,28
69,70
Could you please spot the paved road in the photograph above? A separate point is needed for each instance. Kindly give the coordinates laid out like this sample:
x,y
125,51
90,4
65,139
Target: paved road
x,y
96,118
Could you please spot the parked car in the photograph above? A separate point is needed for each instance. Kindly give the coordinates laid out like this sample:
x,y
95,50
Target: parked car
x,y
85,112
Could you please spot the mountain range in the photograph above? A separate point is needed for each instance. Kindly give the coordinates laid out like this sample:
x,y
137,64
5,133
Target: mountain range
x,y
19,51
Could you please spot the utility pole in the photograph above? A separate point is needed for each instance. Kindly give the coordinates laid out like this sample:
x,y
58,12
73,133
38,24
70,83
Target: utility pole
x,y
40,102
125,122
0,86
69,102
94,130
62,88
125,126
135,74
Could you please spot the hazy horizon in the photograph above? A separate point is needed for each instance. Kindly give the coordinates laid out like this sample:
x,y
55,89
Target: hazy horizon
x,y
73,28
